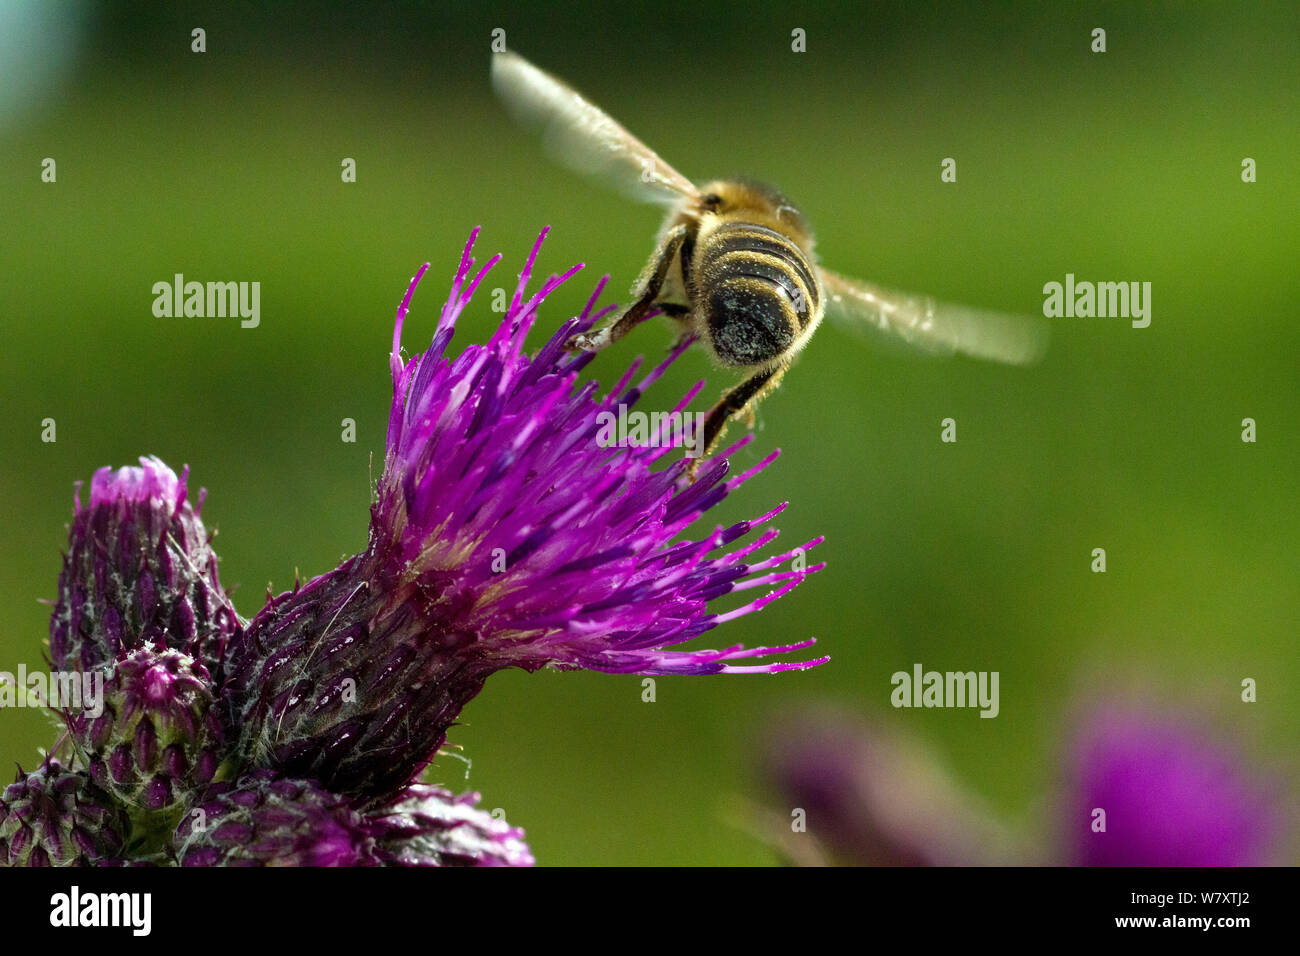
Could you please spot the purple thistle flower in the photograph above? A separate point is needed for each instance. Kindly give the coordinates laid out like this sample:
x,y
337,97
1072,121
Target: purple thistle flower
x,y
1172,796
503,535
140,572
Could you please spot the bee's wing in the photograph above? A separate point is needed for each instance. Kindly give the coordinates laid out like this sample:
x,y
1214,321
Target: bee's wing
x,y
936,327
583,135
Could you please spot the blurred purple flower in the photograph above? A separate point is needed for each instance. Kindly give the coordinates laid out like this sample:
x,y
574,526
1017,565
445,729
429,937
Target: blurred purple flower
x,y
1172,795
870,796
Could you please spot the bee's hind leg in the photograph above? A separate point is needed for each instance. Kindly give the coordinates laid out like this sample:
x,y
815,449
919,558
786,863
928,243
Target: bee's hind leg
x,y
736,402
652,281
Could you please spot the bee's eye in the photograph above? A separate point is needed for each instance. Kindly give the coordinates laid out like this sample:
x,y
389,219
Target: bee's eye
x,y
711,201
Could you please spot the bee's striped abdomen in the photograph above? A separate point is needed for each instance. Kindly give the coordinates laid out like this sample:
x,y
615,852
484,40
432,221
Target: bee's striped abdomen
x,y
757,292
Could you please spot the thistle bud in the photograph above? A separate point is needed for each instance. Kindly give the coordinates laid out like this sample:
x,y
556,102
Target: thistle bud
x,y
268,820
139,572
158,739
54,817
429,826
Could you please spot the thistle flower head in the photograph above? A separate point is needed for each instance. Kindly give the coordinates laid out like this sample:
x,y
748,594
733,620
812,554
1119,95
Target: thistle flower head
x,y
139,572
493,455
1172,795
503,535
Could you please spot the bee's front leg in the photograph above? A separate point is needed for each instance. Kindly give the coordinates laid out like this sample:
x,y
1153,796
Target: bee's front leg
x,y
651,283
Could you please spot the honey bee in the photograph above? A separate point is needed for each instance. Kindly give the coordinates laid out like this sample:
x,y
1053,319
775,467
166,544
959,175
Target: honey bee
x,y
734,263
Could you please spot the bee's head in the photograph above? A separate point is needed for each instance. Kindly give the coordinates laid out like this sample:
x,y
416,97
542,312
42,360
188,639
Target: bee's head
x,y
742,197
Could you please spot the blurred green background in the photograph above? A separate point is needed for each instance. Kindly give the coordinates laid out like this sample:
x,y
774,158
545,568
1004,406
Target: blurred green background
x,y
974,556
